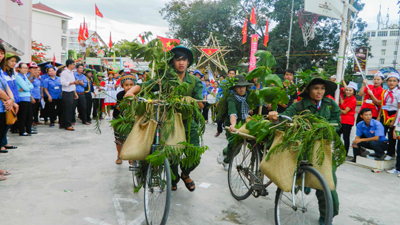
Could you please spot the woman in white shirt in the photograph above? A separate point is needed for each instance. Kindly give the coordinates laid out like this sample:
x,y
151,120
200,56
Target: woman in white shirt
x,y
111,90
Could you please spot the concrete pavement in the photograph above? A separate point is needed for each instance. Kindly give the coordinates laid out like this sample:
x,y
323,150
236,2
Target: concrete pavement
x,y
62,177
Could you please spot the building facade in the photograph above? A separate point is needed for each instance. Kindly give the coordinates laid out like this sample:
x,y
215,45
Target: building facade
x,y
16,28
50,27
384,49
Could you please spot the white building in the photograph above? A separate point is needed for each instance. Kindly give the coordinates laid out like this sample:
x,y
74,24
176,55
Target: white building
x,y
384,49
50,27
15,28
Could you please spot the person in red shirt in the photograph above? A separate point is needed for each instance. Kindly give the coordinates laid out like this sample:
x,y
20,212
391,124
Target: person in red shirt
x,y
348,109
373,96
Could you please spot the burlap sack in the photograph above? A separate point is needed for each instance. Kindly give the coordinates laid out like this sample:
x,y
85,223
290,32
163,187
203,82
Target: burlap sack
x,y
281,166
138,144
243,129
178,132
325,168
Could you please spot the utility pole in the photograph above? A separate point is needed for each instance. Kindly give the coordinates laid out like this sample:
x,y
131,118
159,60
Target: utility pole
x,y
290,36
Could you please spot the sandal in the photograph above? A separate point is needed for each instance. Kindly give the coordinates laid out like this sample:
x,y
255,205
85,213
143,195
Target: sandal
x,y
5,173
119,161
3,178
10,147
188,185
174,188
130,162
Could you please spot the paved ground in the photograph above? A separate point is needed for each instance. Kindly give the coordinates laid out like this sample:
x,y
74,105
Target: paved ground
x,y
61,177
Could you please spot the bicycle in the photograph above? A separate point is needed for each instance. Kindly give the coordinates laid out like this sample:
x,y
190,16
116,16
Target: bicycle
x,y
156,180
295,207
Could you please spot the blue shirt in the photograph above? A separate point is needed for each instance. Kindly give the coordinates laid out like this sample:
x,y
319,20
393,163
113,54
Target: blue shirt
x,y
42,79
53,87
26,86
3,84
12,84
80,88
255,88
375,129
35,92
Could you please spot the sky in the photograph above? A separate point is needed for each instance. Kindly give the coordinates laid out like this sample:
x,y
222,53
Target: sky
x,y
126,19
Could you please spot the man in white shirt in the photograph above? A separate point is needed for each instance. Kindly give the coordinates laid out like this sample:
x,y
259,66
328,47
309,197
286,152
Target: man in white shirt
x,y
68,83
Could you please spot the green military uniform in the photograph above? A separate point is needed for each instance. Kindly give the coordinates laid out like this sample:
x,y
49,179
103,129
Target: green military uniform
x,y
330,111
234,107
195,91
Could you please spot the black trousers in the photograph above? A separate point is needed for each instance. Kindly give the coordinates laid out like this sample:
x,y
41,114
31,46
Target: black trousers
x,y
378,146
88,97
389,131
97,107
54,110
3,126
45,111
346,131
205,111
81,105
25,117
220,125
35,110
68,109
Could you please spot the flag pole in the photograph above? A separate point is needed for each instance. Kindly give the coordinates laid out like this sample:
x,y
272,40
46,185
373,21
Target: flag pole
x,y
95,23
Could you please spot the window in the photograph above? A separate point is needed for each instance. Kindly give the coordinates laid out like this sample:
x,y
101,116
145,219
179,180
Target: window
x,y
382,61
382,33
368,34
384,42
383,52
373,34
394,33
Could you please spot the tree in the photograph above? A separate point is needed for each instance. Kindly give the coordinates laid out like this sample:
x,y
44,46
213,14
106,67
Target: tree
x,y
191,22
39,52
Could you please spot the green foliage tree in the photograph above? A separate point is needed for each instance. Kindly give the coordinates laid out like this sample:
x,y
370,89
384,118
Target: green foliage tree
x,y
192,22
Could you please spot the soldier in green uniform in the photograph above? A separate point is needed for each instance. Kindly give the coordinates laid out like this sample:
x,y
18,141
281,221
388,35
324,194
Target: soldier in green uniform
x,y
182,60
238,111
314,99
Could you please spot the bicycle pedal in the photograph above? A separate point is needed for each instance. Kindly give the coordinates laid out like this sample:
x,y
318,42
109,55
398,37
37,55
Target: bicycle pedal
x,y
264,192
257,187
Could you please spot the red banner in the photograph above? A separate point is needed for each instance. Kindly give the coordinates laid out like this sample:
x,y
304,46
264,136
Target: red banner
x,y
254,43
361,54
209,51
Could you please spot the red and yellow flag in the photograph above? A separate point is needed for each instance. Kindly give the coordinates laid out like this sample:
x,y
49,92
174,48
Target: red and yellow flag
x,y
209,51
168,43
80,34
266,36
98,13
253,16
244,31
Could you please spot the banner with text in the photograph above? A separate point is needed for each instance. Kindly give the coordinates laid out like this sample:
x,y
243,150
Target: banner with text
x,y
361,54
254,43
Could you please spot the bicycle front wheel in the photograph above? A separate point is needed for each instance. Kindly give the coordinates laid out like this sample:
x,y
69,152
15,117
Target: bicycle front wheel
x,y
243,169
157,193
136,174
301,206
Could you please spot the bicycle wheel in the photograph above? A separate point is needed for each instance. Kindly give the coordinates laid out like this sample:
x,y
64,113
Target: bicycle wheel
x,y
136,174
157,193
301,206
243,167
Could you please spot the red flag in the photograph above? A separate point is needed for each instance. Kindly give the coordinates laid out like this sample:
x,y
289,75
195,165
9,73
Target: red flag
x,y
141,38
209,51
98,13
244,31
168,43
266,36
80,34
84,29
54,59
253,16
110,44
86,32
